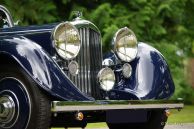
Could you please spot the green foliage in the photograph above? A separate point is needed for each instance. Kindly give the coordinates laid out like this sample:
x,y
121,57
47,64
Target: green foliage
x,y
186,92
31,11
108,34
167,24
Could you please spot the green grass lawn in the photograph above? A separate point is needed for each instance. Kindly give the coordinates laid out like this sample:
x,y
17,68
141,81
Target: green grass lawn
x,y
184,116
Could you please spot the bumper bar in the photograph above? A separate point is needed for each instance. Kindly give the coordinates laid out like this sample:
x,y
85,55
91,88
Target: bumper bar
x,y
114,105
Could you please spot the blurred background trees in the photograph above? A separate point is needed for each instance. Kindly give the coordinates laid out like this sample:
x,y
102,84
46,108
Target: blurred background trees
x,y
167,25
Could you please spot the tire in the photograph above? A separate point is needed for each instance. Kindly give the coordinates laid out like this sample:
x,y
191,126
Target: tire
x,y
157,120
31,108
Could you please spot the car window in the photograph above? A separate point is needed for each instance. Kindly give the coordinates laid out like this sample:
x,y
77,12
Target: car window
x,y
3,20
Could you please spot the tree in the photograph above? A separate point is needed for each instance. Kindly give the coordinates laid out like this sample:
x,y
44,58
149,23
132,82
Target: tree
x,y
31,11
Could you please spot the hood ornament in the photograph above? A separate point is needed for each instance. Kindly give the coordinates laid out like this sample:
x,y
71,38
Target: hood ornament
x,y
77,14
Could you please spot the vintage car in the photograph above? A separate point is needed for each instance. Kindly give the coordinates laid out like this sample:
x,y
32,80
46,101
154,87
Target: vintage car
x,y
56,75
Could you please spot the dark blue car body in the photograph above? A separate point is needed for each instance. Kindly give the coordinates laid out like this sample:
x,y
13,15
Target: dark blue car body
x,y
32,50
31,47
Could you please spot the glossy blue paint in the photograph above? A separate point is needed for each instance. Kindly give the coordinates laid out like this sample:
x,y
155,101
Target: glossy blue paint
x,y
41,67
39,34
42,34
151,78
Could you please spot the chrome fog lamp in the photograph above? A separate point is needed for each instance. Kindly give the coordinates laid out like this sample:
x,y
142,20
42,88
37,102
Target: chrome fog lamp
x,y
66,40
106,78
125,44
127,70
107,62
73,68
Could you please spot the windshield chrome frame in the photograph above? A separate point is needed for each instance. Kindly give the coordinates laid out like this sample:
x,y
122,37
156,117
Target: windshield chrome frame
x,y
8,16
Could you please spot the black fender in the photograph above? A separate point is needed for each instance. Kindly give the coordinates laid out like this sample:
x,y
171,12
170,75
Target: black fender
x,y
40,67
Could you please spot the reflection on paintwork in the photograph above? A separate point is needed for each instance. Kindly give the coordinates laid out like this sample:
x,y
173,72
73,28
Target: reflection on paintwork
x,y
42,68
26,49
149,79
145,73
149,69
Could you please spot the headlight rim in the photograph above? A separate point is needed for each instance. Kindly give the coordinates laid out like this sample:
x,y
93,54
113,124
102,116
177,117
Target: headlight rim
x,y
123,70
54,31
114,42
99,75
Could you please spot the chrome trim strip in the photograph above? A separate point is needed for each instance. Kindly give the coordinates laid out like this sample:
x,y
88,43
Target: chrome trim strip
x,y
81,23
57,109
8,15
28,31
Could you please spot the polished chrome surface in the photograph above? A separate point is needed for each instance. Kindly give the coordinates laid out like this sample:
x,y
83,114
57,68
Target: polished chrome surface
x,y
78,14
8,15
125,44
116,107
70,106
107,62
127,70
66,40
106,78
73,68
90,62
7,109
81,23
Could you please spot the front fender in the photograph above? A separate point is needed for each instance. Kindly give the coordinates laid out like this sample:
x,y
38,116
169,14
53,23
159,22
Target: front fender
x,y
151,78
41,68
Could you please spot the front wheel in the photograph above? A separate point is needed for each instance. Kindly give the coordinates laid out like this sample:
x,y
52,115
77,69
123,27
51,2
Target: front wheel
x,y
157,120
22,104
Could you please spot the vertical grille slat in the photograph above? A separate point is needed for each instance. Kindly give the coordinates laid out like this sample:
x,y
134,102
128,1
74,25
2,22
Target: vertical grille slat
x,y
85,61
94,58
82,60
88,64
79,61
89,60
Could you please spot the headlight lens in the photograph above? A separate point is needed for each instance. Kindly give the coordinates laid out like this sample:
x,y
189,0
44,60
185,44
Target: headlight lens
x,y
67,40
106,78
125,44
127,70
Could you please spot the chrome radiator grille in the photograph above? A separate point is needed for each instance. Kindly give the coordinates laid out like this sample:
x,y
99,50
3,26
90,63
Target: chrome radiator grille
x,y
90,62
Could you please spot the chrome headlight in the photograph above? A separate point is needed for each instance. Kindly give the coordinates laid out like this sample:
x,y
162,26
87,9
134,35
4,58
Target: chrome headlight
x,y
125,44
106,78
107,62
66,40
127,70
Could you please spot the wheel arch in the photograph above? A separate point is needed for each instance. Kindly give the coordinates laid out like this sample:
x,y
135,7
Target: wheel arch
x,y
7,59
153,74
151,77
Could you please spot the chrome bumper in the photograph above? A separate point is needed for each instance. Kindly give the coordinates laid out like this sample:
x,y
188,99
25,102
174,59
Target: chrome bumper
x,y
63,106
